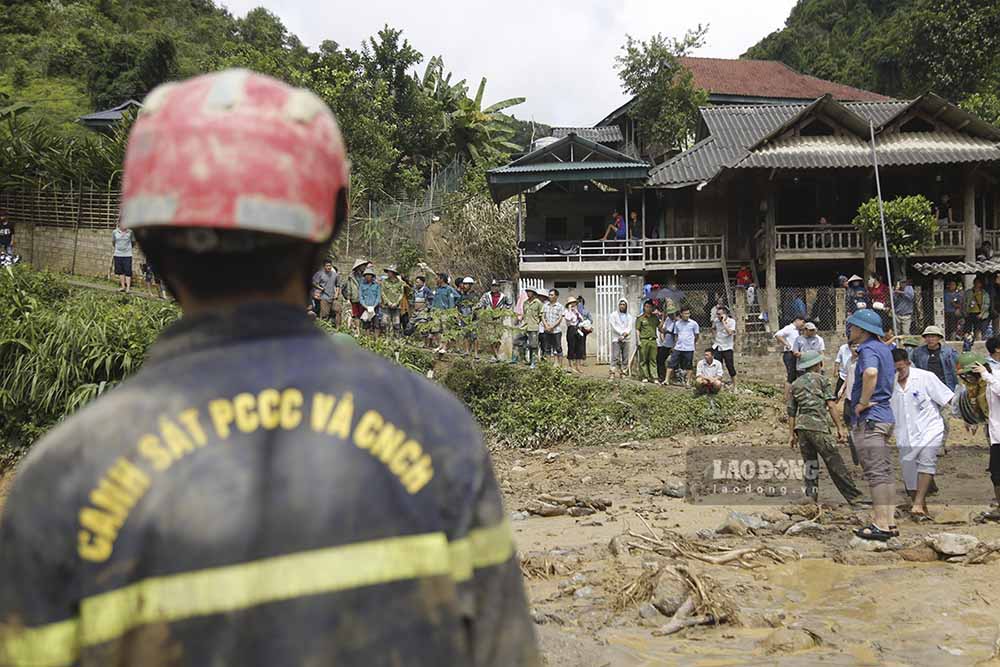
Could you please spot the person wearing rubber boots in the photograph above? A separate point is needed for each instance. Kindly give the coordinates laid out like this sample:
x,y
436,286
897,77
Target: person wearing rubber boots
x,y
811,410
873,421
258,493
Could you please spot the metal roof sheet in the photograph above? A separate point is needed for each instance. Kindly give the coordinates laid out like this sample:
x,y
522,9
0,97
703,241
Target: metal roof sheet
x,y
700,163
566,166
744,126
114,114
958,268
602,135
850,151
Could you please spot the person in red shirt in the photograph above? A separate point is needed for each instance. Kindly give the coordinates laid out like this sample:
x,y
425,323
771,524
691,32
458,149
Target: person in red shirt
x,y
743,277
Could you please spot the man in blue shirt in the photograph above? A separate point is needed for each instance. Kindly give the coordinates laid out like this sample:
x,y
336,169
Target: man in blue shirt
x,y
873,421
903,297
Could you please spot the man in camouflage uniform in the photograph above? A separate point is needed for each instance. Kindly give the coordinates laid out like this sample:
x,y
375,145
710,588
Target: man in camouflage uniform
x,y
810,411
392,298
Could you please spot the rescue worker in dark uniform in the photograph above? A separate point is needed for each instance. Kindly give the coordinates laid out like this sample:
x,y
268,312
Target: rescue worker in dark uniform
x,y
258,493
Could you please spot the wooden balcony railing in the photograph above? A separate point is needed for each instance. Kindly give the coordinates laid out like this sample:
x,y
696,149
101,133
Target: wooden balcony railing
x,y
582,251
812,238
808,238
708,251
704,250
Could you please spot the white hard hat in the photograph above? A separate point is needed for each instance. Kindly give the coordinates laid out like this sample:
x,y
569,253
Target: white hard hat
x,y
467,280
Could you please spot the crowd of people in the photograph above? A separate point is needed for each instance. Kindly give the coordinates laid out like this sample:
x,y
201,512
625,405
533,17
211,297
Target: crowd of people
x,y
386,303
889,387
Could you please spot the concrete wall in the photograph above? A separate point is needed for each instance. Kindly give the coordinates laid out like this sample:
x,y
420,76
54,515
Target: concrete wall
x,y
84,252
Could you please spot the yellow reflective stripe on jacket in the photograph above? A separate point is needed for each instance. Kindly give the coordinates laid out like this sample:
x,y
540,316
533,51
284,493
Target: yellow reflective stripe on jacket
x,y
46,646
109,616
235,587
482,547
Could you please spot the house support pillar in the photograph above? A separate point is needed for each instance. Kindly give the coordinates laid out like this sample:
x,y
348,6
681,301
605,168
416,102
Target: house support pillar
x,y
506,340
939,303
840,304
740,315
969,221
772,264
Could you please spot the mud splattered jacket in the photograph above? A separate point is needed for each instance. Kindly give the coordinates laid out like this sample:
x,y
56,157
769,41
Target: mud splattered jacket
x,y
260,495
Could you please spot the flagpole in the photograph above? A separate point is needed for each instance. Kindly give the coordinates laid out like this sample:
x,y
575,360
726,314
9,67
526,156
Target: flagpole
x,y
885,241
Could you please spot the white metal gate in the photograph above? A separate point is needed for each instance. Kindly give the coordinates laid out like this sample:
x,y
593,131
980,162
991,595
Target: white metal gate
x,y
534,283
609,293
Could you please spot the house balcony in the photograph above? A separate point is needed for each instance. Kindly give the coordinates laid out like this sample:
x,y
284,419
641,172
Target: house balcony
x,y
635,256
813,242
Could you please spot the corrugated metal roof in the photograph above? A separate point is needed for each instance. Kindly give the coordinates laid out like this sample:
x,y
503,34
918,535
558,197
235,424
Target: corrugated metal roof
x,y
565,166
700,163
958,268
114,114
603,135
744,126
850,151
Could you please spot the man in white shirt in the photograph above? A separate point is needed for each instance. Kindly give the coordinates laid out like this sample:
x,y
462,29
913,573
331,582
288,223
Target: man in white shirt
x,y
787,337
725,339
621,329
708,376
810,340
686,332
992,381
917,399
840,364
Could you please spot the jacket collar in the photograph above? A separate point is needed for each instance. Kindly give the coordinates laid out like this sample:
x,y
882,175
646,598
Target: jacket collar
x,y
230,326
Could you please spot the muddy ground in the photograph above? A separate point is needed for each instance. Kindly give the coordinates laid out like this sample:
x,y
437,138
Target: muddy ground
x,y
828,603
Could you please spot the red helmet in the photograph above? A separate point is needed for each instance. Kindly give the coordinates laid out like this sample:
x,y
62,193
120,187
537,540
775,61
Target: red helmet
x,y
235,150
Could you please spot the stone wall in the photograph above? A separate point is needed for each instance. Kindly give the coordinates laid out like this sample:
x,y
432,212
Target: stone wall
x,y
84,252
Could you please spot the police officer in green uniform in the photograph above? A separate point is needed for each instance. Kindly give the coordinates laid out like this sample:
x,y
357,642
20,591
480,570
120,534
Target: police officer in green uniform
x,y
811,407
646,326
257,494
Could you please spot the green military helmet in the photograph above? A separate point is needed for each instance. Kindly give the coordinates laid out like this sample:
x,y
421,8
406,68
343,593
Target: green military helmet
x,y
808,359
967,360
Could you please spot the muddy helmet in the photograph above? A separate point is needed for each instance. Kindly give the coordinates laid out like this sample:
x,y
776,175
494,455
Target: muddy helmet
x,y
236,150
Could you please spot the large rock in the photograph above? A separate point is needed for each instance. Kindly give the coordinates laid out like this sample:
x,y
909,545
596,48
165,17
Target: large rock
x,y
738,523
788,640
806,528
669,595
674,488
918,554
952,544
860,544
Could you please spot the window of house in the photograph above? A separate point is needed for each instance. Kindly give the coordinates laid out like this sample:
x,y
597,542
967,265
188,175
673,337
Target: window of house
x,y
590,284
555,229
917,124
816,128
564,284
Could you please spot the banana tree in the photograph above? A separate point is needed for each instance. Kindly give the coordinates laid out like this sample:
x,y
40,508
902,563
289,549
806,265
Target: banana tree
x,y
483,134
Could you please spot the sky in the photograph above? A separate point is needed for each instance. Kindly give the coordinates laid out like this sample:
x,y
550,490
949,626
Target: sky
x,y
559,54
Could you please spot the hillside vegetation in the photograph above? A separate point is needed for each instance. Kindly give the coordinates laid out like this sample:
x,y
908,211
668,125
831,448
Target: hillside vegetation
x,y
60,59
901,48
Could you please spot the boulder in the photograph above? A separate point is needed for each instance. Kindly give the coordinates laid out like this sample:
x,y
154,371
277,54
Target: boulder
x,y
788,640
669,595
952,544
518,472
738,523
674,488
859,544
919,554
582,593
806,528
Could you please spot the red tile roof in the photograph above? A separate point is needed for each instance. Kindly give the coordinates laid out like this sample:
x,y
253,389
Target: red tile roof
x,y
768,78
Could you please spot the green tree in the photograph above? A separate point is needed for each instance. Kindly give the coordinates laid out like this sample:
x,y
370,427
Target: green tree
x,y
984,105
666,99
910,223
